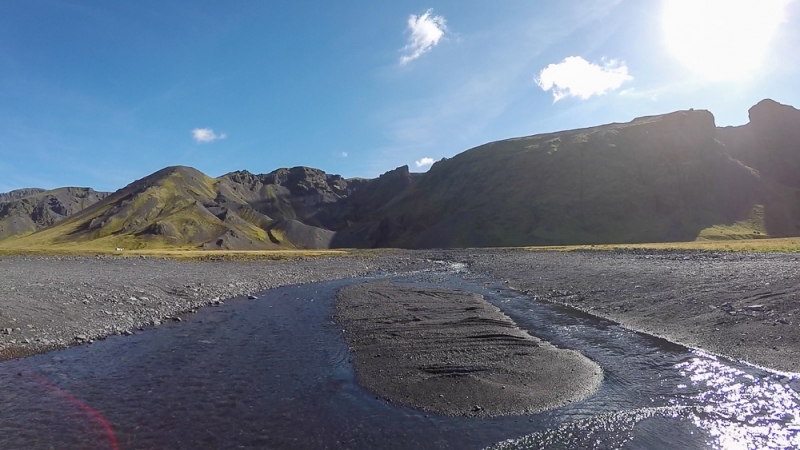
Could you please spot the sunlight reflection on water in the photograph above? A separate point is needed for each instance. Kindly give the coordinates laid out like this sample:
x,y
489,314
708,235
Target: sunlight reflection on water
x,y
743,411
734,409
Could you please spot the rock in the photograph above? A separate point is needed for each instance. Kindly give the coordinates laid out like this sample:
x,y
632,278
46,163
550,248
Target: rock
x,y
81,337
252,297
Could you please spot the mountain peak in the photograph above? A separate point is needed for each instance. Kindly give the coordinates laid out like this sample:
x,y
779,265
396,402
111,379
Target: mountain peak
x,y
769,113
19,193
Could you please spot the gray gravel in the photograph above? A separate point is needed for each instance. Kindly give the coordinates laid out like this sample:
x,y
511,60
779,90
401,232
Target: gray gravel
x,y
746,306
54,302
742,305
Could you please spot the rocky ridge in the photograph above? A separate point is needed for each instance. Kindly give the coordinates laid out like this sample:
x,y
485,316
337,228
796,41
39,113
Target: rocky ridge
x,y
30,210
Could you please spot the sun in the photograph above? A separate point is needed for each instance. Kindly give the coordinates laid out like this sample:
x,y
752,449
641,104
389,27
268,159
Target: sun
x,y
722,39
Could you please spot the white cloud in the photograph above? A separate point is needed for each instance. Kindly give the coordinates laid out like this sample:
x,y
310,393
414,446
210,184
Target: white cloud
x,y
426,32
576,77
204,135
424,162
344,154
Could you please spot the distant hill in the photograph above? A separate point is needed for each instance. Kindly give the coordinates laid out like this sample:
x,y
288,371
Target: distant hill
x,y
181,207
25,211
18,194
672,177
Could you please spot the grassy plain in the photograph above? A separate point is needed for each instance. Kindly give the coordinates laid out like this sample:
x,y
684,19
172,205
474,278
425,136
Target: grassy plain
x,y
175,253
732,245
192,253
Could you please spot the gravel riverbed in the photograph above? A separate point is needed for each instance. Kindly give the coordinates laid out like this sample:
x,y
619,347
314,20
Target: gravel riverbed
x,y
737,304
742,305
54,302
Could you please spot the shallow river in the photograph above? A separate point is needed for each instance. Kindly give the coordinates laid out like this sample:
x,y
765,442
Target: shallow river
x,y
275,373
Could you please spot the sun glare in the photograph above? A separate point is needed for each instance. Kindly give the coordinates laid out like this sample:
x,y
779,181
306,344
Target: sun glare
x,y
722,39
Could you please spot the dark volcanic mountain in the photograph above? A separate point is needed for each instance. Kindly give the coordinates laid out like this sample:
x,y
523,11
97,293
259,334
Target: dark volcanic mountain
x,y
25,211
662,178
769,143
674,177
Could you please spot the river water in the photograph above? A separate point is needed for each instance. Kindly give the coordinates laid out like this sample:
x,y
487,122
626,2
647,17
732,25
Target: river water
x,y
275,373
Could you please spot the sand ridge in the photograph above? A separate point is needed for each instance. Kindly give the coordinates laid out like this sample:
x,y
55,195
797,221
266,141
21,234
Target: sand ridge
x,y
452,352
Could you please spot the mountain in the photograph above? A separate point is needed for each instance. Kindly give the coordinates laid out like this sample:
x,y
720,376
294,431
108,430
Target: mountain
x,y
671,177
181,207
25,211
769,142
6,197
674,177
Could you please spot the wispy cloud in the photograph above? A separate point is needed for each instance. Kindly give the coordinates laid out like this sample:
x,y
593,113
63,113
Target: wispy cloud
x,y
576,77
205,135
344,154
425,33
424,162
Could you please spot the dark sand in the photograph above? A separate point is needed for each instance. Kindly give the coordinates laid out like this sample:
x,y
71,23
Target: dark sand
x,y
454,353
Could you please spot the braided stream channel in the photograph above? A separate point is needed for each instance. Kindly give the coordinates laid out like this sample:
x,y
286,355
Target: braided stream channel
x,y
276,373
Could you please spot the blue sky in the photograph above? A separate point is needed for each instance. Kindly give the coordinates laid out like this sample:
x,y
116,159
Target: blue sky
x,y
99,93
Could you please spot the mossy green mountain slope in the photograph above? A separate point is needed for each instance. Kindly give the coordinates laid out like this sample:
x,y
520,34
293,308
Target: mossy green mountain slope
x,y
180,207
174,207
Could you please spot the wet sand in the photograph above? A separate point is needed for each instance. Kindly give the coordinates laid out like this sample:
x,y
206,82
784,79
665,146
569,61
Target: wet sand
x,y
452,352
